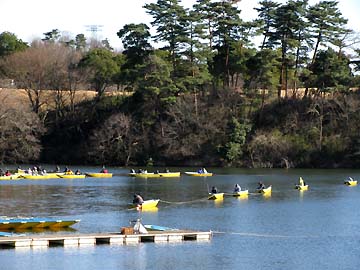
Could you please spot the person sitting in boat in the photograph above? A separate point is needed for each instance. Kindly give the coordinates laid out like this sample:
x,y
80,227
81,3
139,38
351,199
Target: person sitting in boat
x,y
104,170
214,190
69,172
261,186
77,172
7,173
204,170
301,182
138,199
200,171
157,172
132,171
2,172
167,170
57,169
237,188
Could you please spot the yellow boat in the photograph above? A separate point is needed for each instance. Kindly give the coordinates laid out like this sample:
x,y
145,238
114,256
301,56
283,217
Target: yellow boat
x,y
169,174
265,190
241,193
99,175
35,177
216,196
198,174
146,205
351,182
72,176
147,175
10,177
302,187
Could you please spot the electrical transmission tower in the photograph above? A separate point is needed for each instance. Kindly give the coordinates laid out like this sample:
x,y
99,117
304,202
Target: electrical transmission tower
x,y
94,29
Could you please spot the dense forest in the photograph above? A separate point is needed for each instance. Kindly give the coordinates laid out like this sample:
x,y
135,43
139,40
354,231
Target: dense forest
x,y
208,88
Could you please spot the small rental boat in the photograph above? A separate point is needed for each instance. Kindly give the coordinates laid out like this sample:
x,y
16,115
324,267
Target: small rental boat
x,y
302,187
241,193
147,175
72,176
37,177
34,223
10,177
216,196
151,227
350,182
198,174
147,204
265,190
99,175
169,174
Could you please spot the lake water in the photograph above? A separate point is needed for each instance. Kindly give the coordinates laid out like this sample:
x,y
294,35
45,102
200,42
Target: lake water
x,y
315,229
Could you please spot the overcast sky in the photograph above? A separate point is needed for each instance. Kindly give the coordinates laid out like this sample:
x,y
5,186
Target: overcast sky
x,y
29,19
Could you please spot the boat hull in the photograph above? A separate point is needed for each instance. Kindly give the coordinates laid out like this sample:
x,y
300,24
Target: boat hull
x,y
299,187
241,193
265,190
198,174
99,175
351,183
34,223
72,176
148,204
216,196
170,174
10,177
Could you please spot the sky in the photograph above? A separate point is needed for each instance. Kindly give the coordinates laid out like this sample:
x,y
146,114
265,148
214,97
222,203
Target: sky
x,y
30,19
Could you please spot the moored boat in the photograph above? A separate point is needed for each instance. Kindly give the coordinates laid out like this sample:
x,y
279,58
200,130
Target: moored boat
x,y
216,196
99,175
241,193
198,174
33,223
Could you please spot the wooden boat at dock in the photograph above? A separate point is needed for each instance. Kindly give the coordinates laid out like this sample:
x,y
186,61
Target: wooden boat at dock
x,y
33,223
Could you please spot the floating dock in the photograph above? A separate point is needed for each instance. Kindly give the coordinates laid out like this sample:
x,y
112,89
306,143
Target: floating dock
x,y
101,238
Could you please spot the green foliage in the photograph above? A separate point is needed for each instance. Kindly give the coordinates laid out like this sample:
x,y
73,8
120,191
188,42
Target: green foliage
x,y
330,71
236,134
102,67
9,44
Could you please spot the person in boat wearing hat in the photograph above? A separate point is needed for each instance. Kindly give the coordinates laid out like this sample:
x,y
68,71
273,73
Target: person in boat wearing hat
x,y
104,170
214,190
237,188
261,186
138,199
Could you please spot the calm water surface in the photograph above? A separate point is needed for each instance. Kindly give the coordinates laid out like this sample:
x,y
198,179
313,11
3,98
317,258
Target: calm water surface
x,y
315,229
